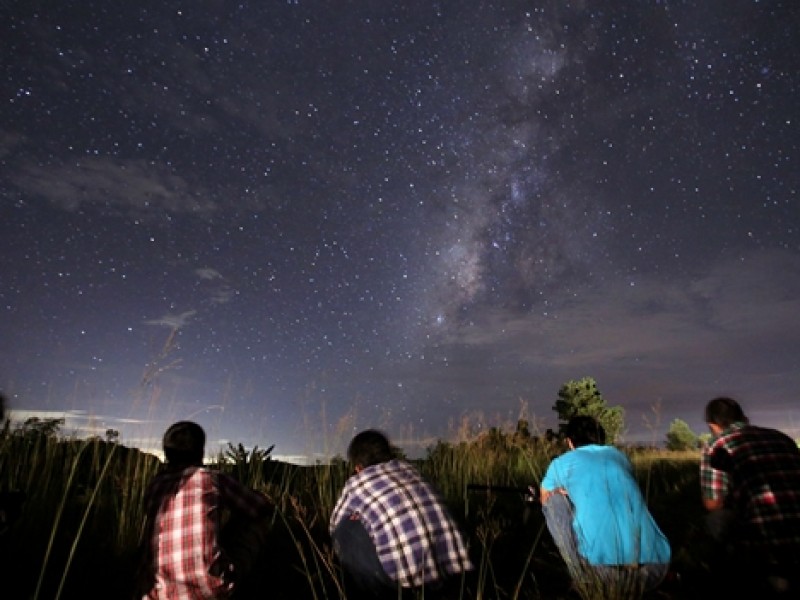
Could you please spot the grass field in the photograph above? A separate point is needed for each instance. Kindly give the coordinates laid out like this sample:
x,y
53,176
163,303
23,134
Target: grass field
x,y
77,532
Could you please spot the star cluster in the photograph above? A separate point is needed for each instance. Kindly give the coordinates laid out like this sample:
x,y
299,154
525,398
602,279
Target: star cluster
x,y
287,218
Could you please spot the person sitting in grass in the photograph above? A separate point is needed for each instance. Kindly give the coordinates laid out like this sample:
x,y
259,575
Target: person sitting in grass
x,y
183,554
391,531
598,518
750,482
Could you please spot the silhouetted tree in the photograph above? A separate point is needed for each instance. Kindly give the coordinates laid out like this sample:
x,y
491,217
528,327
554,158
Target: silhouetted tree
x,y
581,397
680,436
40,428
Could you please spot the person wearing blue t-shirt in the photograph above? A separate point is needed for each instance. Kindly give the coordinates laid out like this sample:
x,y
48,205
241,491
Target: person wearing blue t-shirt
x,y
598,517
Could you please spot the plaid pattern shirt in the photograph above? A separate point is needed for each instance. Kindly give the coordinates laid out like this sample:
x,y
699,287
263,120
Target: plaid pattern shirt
x,y
761,483
416,539
183,509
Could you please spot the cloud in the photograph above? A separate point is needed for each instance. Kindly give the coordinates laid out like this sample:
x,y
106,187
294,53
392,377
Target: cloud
x,y
217,288
173,321
728,329
208,273
222,295
77,423
135,186
614,320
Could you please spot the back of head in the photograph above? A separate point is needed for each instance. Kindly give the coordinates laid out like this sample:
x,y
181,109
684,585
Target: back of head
x,y
370,447
724,412
583,430
184,444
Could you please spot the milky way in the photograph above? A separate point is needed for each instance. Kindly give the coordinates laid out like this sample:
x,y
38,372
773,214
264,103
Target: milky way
x,y
290,221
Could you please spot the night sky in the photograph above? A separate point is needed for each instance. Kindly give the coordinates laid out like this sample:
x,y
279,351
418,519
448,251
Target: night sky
x,y
290,221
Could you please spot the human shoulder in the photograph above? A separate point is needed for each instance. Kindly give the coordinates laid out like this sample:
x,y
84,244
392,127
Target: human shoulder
x,y
399,464
779,439
565,460
731,435
170,473
369,481
365,475
777,433
394,465
597,450
737,428
741,433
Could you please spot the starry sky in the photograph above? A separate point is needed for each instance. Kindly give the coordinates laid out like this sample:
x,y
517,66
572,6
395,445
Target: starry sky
x,y
293,220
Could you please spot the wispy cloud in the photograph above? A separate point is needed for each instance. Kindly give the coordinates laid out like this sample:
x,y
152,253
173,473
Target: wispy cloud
x,y
728,328
671,323
137,186
219,291
208,273
173,321
76,422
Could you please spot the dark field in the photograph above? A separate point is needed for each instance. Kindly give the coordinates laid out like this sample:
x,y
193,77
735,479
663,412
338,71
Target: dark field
x,y
76,533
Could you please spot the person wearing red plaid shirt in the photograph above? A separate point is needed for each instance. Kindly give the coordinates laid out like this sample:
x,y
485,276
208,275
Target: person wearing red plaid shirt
x,y
183,555
391,530
750,481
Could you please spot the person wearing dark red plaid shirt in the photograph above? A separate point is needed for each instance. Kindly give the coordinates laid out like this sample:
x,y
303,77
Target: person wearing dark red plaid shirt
x,y
183,555
750,480
391,530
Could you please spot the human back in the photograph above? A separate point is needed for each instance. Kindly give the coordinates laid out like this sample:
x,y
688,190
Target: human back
x,y
764,465
750,486
184,507
183,556
612,522
391,530
395,516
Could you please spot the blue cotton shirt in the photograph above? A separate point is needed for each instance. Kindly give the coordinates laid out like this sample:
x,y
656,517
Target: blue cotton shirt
x,y
612,523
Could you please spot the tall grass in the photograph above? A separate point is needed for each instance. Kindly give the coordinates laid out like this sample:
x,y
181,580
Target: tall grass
x,y
84,512
81,497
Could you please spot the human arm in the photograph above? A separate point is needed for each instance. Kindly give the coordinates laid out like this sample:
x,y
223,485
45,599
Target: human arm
x,y
242,499
544,493
336,515
714,483
713,503
553,481
346,505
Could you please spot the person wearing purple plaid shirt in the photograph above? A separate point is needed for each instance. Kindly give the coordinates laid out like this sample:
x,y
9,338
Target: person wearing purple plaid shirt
x,y
750,482
391,529
183,554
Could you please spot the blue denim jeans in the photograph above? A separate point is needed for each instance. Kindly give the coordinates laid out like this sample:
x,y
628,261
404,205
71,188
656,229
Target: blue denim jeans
x,y
558,514
359,560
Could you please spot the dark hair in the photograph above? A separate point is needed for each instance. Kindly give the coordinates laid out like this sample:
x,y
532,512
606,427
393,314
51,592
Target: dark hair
x,y
583,430
184,443
370,447
724,412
